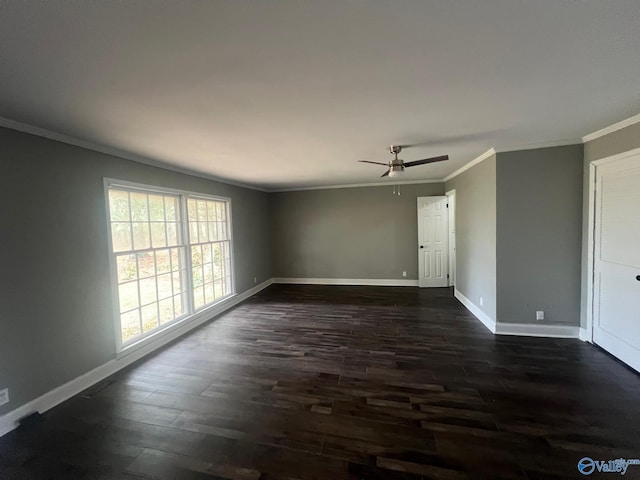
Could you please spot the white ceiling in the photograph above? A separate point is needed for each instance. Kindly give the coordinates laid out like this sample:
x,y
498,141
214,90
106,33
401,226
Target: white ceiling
x,y
290,93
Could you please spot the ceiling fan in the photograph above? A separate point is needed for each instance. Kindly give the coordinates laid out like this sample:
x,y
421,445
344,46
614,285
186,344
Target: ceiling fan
x,y
396,166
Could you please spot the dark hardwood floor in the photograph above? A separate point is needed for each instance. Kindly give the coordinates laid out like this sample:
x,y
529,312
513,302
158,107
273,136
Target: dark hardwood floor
x,y
328,382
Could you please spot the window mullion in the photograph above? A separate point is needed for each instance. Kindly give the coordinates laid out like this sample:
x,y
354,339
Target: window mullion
x,y
130,223
184,225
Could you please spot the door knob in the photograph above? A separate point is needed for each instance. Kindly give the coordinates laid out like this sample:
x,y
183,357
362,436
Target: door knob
x,y
637,276
423,247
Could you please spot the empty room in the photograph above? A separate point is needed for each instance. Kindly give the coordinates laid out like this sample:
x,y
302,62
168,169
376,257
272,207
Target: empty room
x,y
269,240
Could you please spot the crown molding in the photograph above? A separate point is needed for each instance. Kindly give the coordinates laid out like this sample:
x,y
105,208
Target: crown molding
x,y
536,146
612,128
384,183
60,137
472,163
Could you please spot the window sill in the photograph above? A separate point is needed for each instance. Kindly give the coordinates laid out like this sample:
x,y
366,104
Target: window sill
x,y
177,328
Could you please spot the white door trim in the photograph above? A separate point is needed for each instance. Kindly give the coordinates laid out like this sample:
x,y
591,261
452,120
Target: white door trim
x,y
451,201
591,240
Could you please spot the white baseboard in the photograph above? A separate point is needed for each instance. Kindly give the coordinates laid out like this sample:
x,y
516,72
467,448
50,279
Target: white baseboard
x,y
9,421
385,282
523,329
475,310
58,395
533,330
584,335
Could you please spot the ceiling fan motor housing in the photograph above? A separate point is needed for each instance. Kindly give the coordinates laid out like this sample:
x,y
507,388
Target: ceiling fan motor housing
x,y
396,168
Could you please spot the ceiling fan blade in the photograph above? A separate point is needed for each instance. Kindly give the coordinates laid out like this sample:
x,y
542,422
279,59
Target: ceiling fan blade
x,y
384,174
426,160
375,163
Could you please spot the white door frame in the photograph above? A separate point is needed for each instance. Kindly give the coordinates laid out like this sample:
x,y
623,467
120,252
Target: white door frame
x,y
451,199
591,240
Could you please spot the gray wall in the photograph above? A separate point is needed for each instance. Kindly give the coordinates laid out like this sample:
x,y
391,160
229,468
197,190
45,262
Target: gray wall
x,y
476,234
56,321
362,232
617,142
539,204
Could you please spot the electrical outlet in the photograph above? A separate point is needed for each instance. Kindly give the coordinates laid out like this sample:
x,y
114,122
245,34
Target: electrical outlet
x,y
539,315
4,396
481,301
404,274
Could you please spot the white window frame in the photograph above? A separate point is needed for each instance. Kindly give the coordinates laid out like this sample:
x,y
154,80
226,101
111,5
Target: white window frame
x,y
197,196
191,311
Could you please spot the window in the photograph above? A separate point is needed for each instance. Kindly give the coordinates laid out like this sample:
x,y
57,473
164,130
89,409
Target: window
x,y
210,259
171,253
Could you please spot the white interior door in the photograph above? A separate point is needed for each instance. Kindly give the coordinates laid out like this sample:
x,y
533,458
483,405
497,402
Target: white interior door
x,y
433,239
616,300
